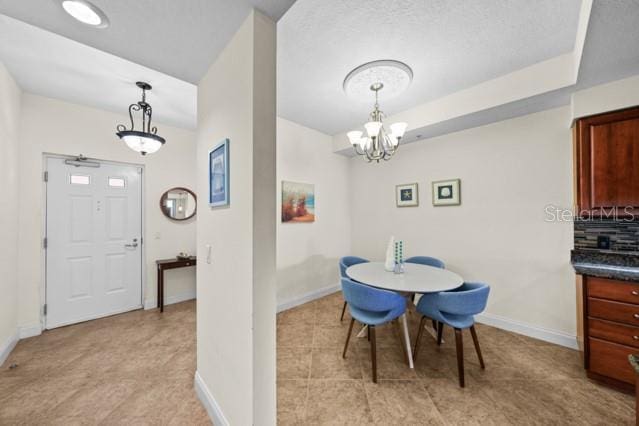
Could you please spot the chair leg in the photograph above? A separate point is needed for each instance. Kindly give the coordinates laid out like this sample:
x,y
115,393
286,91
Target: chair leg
x,y
368,333
434,324
343,311
420,331
373,352
460,356
348,337
398,330
440,331
477,348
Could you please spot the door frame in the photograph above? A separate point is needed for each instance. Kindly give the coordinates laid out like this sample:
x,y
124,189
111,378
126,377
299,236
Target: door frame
x,y
43,259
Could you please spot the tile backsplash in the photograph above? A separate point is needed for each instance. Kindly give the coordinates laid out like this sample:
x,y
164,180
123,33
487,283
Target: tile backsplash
x,y
624,235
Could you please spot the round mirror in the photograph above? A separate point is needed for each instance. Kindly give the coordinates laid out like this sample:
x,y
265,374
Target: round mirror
x,y
178,204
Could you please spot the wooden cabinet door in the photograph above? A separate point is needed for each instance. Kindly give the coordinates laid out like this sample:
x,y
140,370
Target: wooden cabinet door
x,y
608,161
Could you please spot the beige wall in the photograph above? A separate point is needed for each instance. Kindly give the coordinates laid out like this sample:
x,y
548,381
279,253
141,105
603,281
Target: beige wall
x,y
236,292
53,126
308,253
509,172
10,97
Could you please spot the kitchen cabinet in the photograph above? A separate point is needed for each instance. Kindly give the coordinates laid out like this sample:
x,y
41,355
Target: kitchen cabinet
x,y
606,155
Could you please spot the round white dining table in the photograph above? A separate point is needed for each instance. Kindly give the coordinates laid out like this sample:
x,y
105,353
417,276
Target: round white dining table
x,y
415,279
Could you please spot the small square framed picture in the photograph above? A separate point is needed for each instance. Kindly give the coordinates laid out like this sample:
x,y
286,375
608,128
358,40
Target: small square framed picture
x,y
447,192
407,195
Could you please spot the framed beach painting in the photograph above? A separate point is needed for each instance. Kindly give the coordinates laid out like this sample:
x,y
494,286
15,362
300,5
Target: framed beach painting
x,y
447,192
298,202
407,195
219,176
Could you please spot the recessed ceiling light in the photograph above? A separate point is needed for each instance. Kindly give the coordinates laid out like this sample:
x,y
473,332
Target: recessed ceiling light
x,y
86,12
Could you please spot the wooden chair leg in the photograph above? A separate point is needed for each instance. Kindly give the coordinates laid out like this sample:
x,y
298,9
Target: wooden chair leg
x,y
398,330
434,324
368,333
373,352
460,356
440,331
477,348
419,336
343,311
348,337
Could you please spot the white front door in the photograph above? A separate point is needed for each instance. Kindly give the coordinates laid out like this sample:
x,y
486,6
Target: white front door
x,y
94,233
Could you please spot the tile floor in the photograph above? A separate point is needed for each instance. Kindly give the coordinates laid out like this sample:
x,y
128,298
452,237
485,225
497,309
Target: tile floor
x,y
526,381
136,368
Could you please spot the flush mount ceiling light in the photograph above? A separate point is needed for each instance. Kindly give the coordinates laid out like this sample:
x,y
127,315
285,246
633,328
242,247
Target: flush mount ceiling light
x,y
144,141
85,12
393,77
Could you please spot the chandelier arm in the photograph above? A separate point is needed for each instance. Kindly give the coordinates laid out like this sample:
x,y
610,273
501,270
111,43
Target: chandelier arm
x,y
133,107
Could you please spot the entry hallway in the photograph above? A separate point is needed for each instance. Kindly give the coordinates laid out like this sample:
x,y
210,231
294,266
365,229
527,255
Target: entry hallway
x,y
135,368
138,368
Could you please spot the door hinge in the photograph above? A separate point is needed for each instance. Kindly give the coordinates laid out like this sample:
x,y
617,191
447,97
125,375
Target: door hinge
x,y
46,176
44,309
45,242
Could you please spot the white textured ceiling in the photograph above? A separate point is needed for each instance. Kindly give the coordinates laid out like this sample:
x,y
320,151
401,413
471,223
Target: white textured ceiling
x,y
449,44
50,65
180,38
611,51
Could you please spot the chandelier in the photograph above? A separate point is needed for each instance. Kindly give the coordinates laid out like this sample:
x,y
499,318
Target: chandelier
x,y
394,77
144,141
378,144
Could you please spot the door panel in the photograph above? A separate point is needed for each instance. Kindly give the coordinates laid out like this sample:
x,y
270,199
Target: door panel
x,y
94,226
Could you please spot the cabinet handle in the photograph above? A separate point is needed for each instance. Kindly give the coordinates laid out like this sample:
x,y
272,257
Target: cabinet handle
x,y
636,316
635,293
635,337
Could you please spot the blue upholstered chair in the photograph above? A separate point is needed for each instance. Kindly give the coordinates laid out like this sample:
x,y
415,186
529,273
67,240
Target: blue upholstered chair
x,y
426,260
456,309
344,263
372,307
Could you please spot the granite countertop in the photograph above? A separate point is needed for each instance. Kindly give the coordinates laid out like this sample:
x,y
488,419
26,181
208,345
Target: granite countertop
x,y
606,264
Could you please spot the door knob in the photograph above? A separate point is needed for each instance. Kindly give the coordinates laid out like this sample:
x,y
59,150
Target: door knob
x,y
132,245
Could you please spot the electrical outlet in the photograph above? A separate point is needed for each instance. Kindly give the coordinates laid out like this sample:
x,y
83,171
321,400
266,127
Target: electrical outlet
x,y
603,242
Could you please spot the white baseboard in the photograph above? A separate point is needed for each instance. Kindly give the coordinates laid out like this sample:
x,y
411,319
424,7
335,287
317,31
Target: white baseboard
x,y
541,333
210,404
29,330
7,346
308,297
169,300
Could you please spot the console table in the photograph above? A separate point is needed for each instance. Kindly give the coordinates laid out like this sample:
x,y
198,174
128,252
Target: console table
x,y
165,264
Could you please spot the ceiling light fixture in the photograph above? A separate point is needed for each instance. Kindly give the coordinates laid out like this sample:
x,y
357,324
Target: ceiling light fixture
x,y
144,141
86,12
378,144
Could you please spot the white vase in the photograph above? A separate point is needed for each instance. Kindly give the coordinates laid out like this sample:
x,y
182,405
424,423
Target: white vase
x,y
389,264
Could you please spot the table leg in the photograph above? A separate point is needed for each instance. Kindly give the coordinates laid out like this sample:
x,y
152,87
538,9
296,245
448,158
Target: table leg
x,y
159,286
432,332
161,295
363,332
409,352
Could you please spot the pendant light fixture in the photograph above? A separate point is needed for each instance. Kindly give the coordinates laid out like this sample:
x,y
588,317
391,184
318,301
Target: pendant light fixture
x,y
145,141
377,143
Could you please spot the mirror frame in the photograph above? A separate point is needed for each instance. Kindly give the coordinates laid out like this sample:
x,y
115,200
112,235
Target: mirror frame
x,y
165,195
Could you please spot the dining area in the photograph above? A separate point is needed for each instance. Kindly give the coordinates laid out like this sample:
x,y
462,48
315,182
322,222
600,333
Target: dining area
x,y
418,285
406,348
